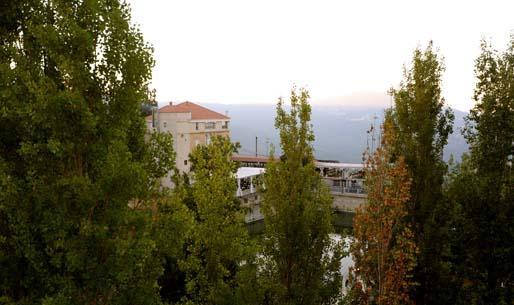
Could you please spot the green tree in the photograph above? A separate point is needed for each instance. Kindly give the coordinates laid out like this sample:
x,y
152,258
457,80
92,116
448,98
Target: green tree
x,y
421,128
172,221
300,261
220,265
483,185
73,164
383,245
462,186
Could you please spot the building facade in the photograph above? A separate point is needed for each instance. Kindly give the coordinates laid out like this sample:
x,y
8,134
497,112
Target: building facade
x,y
190,125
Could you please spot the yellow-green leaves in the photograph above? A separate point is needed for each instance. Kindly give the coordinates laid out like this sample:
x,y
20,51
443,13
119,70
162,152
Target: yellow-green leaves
x,y
297,214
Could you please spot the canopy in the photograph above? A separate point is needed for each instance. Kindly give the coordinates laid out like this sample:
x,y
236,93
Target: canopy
x,y
244,172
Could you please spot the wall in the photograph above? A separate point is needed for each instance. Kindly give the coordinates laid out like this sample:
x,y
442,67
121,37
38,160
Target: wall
x,y
186,137
178,125
348,202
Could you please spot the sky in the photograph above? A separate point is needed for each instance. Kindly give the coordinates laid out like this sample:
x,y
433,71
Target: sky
x,y
252,52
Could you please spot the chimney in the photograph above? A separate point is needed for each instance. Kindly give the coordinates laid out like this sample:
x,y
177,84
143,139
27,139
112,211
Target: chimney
x,y
171,103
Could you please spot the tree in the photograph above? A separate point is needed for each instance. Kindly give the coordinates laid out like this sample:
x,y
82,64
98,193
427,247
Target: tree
x,y
172,221
300,261
421,128
73,75
383,245
219,264
483,185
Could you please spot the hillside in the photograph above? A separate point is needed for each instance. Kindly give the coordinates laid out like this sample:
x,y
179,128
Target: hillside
x,y
340,131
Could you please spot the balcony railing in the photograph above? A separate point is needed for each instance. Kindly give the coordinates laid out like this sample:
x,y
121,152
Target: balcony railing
x,y
348,190
242,192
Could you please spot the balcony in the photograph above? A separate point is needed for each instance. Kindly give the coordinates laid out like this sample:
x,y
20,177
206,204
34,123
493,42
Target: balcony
x,y
248,180
359,190
210,125
345,186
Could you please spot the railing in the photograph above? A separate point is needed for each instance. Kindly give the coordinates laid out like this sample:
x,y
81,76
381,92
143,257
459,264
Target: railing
x,y
348,190
242,192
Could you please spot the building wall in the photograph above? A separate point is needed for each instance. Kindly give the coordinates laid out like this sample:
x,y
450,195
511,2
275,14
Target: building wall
x,y
251,203
186,135
201,138
200,134
178,124
348,202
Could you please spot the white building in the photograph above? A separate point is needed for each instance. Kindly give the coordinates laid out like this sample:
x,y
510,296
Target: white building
x,y
249,182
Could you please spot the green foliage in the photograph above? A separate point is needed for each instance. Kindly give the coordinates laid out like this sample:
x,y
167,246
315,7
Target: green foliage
x,y
220,265
462,186
483,185
172,226
300,261
422,126
160,159
75,177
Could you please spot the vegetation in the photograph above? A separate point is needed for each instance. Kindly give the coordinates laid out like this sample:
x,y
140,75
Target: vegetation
x,y
462,220
421,129
483,186
383,245
220,256
301,263
73,162
85,218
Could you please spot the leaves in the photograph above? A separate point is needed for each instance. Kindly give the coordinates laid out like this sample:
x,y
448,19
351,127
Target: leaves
x,y
73,77
300,261
219,264
421,126
383,246
482,185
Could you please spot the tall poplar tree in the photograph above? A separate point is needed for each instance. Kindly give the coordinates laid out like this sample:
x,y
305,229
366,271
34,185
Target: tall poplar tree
x,y
383,247
483,185
73,164
421,128
301,262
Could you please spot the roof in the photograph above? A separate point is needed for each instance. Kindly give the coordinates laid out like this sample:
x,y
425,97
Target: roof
x,y
242,158
340,165
262,159
197,112
245,172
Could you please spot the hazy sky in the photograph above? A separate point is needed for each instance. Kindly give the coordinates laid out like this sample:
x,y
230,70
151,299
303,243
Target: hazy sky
x,y
254,51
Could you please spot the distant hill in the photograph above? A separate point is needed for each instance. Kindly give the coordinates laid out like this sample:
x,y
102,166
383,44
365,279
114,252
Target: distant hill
x,y
340,131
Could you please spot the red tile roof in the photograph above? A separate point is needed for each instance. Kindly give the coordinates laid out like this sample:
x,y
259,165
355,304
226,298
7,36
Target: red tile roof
x,y
197,112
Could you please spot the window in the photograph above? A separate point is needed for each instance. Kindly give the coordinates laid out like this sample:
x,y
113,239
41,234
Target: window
x,y
210,125
164,124
245,184
207,139
197,126
185,162
225,125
